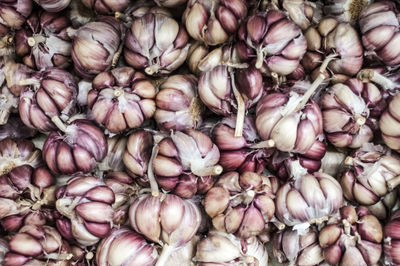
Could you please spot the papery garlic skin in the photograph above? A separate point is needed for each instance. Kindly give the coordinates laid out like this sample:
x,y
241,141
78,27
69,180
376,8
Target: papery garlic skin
x,y
220,86
156,43
280,162
14,73
137,155
213,22
77,149
345,10
276,43
369,176
113,160
165,219
18,152
386,206
389,124
53,5
215,90
178,105
308,199
86,204
352,237
379,27
3,249
124,246
121,99
15,129
170,3
203,59
125,188
95,46
197,52
106,7
299,248
37,245
303,13
225,249
25,195
391,240
338,40
332,161
173,230
14,13
8,103
350,111
43,42
51,94
186,163
185,254
290,130
236,153
242,204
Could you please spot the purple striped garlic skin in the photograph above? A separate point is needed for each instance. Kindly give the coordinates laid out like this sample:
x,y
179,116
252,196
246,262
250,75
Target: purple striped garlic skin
x,y
50,94
53,5
106,7
352,237
389,124
186,163
14,13
26,193
236,153
288,129
121,99
125,247
95,46
226,91
379,26
392,240
76,149
338,40
86,206
37,245
137,155
156,43
213,22
242,204
369,176
311,160
166,219
14,153
178,104
299,248
308,199
273,41
350,111
43,41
